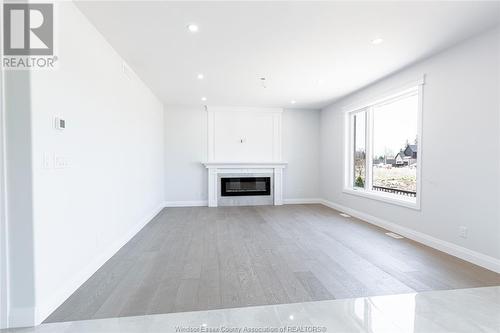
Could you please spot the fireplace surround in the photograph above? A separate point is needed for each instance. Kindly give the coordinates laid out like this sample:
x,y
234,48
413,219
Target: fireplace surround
x,y
245,189
220,170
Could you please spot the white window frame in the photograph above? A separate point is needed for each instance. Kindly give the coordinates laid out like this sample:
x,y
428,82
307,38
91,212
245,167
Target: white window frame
x,y
368,106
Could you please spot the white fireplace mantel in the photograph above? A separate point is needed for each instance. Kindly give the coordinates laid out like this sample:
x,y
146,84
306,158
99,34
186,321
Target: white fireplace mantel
x,y
216,168
272,165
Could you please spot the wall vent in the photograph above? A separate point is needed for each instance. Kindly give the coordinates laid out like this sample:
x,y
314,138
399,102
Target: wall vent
x,y
393,235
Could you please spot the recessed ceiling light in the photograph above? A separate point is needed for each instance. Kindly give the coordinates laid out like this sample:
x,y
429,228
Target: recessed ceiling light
x,y
200,76
377,41
204,99
193,27
293,102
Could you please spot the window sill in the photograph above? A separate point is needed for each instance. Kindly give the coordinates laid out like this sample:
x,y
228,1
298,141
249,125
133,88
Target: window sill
x,y
388,198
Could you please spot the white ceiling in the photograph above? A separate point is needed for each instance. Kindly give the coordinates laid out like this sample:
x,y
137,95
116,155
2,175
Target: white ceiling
x,y
311,52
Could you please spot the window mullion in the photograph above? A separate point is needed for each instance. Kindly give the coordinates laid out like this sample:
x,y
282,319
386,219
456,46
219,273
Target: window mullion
x,y
369,148
351,151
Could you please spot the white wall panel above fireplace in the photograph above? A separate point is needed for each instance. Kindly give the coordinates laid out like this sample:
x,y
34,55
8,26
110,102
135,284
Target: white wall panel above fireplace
x,y
244,134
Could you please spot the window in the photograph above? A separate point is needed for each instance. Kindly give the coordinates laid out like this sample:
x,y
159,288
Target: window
x,y
359,153
383,151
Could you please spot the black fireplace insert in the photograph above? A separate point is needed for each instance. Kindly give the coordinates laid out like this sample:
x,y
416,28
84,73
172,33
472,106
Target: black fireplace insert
x,y
245,186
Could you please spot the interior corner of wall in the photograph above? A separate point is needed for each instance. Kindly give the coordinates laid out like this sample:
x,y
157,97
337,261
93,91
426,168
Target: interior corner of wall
x,y
22,317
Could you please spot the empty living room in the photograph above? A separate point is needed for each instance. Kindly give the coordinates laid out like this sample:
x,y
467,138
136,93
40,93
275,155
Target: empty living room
x,y
249,166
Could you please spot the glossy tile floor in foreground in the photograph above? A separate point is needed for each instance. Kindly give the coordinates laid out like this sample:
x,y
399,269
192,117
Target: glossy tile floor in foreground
x,y
461,310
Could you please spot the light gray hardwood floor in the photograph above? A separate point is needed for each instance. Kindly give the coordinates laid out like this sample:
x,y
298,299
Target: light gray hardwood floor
x,y
201,258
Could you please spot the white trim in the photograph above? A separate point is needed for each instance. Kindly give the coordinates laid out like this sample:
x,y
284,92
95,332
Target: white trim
x,y
44,309
420,151
277,130
384,197
367,107
210,134
302,201
212,186
4,256
192,203
369,150
384,96
455,250
244,165
348,147
278,186
243,109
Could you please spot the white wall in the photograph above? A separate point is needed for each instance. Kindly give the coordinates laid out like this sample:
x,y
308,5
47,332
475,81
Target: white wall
x,y
113,185
460,146
19,184
301,136
186,147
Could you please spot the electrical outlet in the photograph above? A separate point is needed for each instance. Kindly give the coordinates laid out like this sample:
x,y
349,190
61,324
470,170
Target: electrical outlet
x,y
462,232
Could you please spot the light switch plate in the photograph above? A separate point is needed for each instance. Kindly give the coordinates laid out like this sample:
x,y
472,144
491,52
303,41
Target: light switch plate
x,y
60,162
59,123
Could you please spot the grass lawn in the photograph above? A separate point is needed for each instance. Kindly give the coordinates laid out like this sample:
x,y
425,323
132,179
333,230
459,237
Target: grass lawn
x,y
404,178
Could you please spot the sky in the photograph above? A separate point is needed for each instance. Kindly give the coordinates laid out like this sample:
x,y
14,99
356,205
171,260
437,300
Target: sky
x,y
393,125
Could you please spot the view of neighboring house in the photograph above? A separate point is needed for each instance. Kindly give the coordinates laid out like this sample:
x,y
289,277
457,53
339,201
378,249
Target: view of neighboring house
x,y
405,157
411,150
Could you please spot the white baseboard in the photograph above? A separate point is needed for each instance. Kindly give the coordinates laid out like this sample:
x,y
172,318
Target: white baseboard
x,y
200,203
300,201
44,309
193,203
455,250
